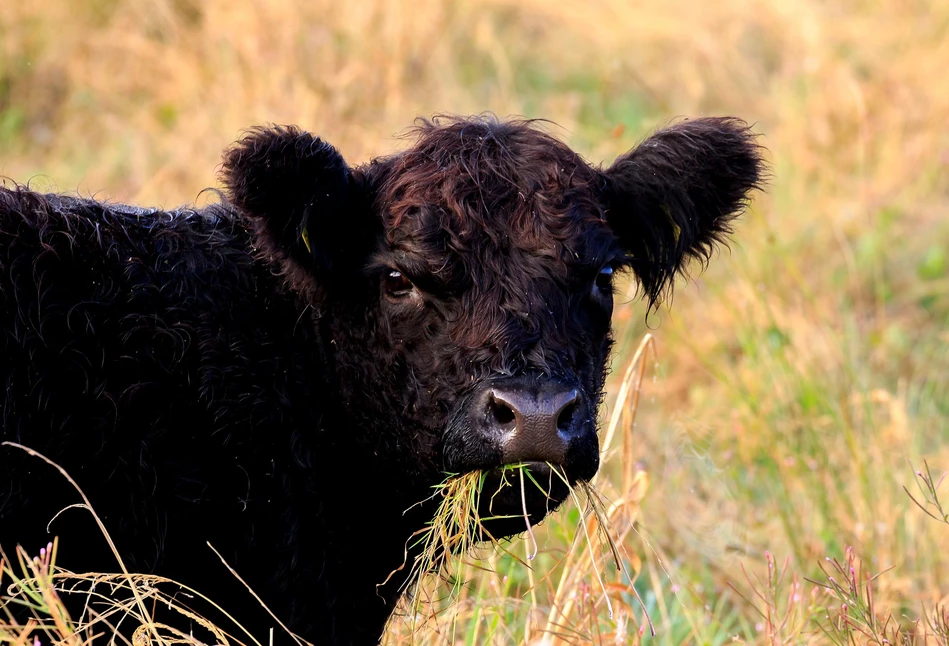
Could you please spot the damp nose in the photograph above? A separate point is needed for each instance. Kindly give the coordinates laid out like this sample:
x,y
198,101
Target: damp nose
x,y
535,424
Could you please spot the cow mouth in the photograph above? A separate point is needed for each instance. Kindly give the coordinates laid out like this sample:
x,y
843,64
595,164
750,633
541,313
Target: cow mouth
x,y
513,496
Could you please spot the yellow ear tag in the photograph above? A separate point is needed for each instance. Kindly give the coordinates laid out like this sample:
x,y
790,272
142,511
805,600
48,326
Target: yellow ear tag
x,y
676,230
306,240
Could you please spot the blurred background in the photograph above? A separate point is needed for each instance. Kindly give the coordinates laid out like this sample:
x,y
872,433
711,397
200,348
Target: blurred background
x,y
796,387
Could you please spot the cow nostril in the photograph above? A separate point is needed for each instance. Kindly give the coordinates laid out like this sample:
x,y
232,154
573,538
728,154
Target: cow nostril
x,y
565,418
501,411
545,423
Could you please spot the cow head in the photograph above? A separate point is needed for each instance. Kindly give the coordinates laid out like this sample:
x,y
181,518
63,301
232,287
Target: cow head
x,y
464,287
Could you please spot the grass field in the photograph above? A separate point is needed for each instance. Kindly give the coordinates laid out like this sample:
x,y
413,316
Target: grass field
x,y
793,394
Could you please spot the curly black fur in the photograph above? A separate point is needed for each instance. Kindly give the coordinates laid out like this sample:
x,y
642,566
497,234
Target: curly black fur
x,y
218,376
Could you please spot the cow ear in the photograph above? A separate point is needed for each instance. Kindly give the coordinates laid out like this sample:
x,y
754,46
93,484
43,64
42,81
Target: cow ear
x,y
303,200
673,198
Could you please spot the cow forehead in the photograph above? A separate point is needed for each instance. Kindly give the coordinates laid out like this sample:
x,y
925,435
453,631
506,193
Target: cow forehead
x,y
493,193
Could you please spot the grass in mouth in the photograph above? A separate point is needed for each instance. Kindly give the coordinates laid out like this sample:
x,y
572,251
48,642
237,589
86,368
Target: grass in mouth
x,y
455,528
449,540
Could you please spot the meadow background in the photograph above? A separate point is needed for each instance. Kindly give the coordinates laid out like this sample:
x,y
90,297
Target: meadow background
x,y
796,387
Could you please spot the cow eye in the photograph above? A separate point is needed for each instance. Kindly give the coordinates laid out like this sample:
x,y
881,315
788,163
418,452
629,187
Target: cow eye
x,y
604,280
396,284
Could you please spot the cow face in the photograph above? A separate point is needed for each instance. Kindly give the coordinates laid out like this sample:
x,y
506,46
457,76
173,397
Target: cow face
x,y
465,286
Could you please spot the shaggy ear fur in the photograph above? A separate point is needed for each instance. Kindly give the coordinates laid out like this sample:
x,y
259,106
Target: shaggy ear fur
x,y
300,194
672,198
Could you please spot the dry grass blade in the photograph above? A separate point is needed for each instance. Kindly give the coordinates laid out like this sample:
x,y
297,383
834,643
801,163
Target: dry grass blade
x,y
632,492
632,383
444,545
530,532
263,605
88,505
457,524
594,513
452,531
33,589
42,586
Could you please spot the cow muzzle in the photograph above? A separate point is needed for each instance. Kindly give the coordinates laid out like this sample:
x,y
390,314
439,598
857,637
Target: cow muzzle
x,y
538,424
546,427
532,419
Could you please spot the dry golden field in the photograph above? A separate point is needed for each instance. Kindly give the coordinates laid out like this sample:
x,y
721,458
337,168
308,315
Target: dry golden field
x,y
791,392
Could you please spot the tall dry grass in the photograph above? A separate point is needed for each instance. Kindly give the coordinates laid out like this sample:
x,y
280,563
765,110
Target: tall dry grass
x,y
795,391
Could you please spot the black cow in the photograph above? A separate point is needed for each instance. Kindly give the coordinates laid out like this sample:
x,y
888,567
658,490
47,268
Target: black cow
x,y
284,374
